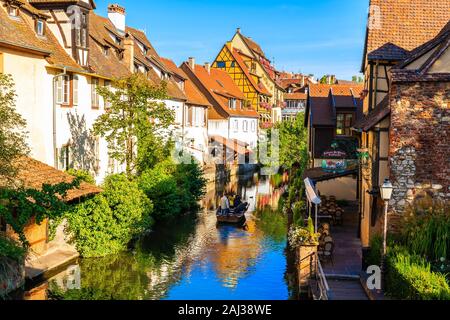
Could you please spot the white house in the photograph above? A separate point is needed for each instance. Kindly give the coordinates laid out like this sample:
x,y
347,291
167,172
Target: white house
x,y
58,54
55,82
194,136
228,118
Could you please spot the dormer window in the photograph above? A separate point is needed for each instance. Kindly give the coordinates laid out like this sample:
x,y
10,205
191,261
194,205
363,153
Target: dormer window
x,y
232,104
13,11
40,27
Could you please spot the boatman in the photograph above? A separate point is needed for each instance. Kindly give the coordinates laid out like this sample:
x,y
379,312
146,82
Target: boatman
x,y
225,205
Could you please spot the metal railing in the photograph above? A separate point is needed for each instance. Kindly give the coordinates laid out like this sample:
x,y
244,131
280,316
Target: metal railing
x,y
322,284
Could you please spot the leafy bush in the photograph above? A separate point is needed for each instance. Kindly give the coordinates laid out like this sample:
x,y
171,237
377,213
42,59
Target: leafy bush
x,y
427,229
191,185
174,189
297,217
410,277
11,249
107,223
83,175
161,188
376,248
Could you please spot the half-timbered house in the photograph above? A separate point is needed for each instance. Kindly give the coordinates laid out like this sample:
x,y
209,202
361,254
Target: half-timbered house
x,y
399,30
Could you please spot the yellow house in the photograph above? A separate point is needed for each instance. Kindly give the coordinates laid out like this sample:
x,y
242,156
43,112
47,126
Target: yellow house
x,y
244,61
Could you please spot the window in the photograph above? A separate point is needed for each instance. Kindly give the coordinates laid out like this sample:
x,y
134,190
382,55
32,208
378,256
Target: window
x,y
221,64
106,51
344,124
13,11
97,154
63,90
40,27
233,64
108,86
253,126
94,94
64,158
236,125
232,104
245,126
75,90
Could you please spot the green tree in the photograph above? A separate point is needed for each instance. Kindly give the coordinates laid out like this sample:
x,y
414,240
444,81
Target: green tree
x,y
12,136
134,115
293,142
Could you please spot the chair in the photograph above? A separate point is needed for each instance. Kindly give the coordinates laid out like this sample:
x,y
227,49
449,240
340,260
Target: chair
x,y
339,217
326,251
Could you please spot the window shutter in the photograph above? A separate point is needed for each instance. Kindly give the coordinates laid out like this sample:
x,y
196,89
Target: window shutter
x,y
59,90
75,89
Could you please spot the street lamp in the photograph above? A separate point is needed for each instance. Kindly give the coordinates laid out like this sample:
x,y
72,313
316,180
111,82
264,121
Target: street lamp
x,y
386,195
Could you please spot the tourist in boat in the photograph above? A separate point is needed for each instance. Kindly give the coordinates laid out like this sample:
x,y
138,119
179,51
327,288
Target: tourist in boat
x,y
224,205
237,201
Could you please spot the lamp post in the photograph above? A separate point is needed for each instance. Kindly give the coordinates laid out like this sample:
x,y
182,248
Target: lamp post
x,y
386,195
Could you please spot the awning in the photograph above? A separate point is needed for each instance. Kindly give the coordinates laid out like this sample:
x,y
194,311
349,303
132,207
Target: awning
x,y
318,174
232,144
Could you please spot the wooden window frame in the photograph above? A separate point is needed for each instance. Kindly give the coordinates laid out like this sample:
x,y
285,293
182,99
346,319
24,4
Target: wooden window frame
x,y
75,90
10,9
64,83
347,130
38,21
245,126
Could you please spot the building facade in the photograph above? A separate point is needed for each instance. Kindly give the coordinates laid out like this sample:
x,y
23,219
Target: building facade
x,y
403,113
229,118
330,114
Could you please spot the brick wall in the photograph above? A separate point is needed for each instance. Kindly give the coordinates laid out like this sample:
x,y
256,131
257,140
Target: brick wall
x,y
419,142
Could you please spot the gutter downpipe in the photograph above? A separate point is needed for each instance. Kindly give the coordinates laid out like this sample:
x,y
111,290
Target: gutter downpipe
x,y
55,155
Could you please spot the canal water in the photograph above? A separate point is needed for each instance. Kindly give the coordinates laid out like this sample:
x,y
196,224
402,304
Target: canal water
x,y
193,258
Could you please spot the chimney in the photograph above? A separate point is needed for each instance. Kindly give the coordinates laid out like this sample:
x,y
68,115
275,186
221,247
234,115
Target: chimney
x,y
208,67
238,30
192,63
116,14
128,52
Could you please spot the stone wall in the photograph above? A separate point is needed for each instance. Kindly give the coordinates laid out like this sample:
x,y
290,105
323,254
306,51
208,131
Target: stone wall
x,y
419,142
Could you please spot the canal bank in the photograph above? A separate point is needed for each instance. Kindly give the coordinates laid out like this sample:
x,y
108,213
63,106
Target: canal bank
x,y
192,258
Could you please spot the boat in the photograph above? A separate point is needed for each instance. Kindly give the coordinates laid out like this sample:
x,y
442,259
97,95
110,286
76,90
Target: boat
x,y
236,215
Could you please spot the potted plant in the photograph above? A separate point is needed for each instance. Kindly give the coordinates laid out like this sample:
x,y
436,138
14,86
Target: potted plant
x,y
305,241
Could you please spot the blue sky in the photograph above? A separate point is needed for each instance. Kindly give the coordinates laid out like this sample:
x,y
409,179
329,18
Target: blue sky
x,y
311,36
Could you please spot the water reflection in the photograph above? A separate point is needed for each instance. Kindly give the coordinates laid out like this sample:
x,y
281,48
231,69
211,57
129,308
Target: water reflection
x,y
193,258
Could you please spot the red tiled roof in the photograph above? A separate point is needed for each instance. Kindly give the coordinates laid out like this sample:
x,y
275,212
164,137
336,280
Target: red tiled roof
x,y
295,96
253,45
259,87
323,90
192,93
374,117
109,66
325,99
18,33
405,24
221,87
441,44
152,58
34,174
